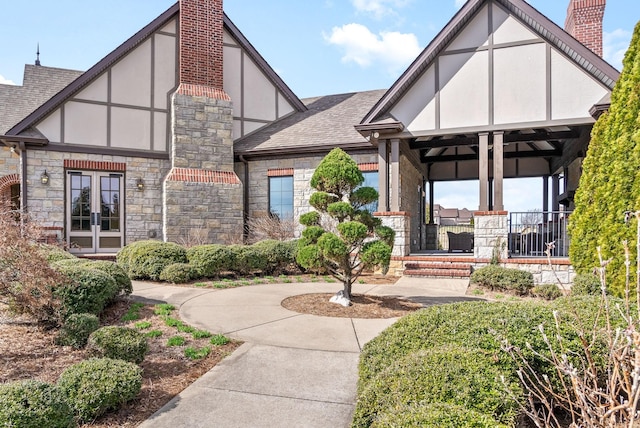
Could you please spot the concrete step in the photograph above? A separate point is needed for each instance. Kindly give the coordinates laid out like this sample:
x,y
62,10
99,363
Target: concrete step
x,y
438,273
437,265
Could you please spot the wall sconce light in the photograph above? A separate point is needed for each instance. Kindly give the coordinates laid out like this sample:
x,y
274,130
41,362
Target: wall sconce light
x,y
44,178
140,184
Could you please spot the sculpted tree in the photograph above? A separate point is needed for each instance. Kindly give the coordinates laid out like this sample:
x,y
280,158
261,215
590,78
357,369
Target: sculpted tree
x,y
610,182
341,236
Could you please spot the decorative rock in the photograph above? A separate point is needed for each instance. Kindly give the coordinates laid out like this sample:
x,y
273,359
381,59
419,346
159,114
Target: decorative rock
x,y
340,299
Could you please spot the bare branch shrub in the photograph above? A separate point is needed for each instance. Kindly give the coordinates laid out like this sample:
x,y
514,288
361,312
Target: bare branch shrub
x,y
27,282
196,236
589,393
270,227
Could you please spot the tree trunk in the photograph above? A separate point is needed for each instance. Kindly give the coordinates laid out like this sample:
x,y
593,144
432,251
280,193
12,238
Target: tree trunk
x,y
347,288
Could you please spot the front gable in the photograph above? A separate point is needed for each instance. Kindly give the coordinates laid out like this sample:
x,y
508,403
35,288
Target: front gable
x,y
499,64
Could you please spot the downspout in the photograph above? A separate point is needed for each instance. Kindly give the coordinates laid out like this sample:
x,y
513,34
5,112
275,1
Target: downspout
x,y
245,202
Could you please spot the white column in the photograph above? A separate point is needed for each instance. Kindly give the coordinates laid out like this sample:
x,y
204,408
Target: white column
x,y
383,176
483,170
498,171
395,175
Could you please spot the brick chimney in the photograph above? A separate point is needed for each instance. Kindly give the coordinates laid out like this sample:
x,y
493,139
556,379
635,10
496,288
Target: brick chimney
x,y
201,34
584,22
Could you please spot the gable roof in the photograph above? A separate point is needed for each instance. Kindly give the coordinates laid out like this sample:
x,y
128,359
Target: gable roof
x,y
327,123
39,84
529,16
122,50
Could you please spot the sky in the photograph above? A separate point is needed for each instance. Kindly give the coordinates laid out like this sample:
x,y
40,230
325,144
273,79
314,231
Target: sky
x,y
318,47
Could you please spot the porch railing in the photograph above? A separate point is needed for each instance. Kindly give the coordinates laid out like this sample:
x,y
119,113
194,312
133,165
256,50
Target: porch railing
x,y
529,233
444,232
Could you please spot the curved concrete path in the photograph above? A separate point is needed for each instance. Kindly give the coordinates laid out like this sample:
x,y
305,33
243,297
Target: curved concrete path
x,y
294,370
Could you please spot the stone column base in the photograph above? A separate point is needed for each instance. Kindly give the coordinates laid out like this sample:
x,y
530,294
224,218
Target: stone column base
x,y
490,234
400,222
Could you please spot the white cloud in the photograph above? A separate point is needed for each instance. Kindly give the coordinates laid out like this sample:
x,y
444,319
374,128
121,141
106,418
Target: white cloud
x,y
4,81
379,8
459,3
393,50
614,46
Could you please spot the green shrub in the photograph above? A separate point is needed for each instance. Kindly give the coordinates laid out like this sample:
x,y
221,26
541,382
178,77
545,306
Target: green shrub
x,y
99,384
86,291
247,259
147,259
75,261
76,330
117,272
179,273
436,415
279,255
54,253
120,343
503,279
210,260
465,377
34,404
586,284
547,291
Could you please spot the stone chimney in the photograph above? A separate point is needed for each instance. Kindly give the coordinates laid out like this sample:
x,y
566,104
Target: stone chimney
x,y
584,22
201,38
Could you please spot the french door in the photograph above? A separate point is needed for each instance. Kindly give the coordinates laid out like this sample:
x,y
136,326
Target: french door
x,y
95,215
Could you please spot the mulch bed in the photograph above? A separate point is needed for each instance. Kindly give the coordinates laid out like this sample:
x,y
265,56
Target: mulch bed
x,y
362,306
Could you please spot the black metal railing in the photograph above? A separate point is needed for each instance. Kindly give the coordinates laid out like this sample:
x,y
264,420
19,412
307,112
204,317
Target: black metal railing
x,y
530,232
452,238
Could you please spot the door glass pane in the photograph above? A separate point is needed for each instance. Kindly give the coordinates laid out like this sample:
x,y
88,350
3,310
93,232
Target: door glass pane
x,y
110,203
80,208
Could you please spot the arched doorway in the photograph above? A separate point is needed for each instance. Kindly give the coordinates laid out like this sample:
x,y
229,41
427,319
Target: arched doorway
x,y
10,190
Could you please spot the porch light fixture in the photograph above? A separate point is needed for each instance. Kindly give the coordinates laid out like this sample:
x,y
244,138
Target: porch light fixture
x,y
140,184
44,178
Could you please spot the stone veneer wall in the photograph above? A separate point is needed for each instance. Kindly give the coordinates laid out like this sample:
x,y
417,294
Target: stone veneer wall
x,y
410,183
303,168
400,222
559,272
143,208
491,230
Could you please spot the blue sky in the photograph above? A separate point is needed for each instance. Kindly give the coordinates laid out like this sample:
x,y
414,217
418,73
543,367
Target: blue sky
x,y
319,47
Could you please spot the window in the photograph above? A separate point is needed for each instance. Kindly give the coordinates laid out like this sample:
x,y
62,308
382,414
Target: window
x,y
371,180
281,196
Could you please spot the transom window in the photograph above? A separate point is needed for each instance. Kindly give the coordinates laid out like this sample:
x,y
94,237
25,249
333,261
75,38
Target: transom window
x,y
281,196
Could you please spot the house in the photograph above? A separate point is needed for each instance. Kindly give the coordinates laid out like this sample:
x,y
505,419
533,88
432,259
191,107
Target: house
x,y
186,127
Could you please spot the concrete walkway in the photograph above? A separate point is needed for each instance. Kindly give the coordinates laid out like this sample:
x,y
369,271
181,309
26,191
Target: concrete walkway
x,y
294,370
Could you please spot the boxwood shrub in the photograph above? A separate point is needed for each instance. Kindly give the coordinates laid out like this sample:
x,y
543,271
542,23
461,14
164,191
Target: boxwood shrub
x,y
54,253
117,272
210,260
179,273
435,415
34,404
279,255
499,278
586,284
120,343
147,259
247,259
86,291
452,374
76,330
546,291
96,385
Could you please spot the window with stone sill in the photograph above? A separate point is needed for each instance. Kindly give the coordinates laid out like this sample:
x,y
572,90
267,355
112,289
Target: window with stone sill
x,y
281,196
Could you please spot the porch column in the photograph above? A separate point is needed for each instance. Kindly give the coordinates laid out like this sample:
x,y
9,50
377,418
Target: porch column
x,y
395,175
555,193
483,172
383,176
545,198
431,202
498,171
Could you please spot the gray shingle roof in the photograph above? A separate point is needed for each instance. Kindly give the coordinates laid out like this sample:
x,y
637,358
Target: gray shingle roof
x,y
328,122
39,84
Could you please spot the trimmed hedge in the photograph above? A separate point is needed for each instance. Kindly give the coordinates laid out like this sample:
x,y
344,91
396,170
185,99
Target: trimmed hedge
x,y
547,291
499,278
586,284
147,259
76,330
179,273
87,290
96,385
246,259
210,260
117,272
435,415
54,253
278,255
119,343
451,374
34,404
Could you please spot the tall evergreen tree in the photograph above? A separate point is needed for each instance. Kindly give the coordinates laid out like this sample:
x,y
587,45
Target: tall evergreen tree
x,y
610,181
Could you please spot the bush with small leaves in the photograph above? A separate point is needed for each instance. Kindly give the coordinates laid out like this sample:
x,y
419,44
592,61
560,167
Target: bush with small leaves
x,y
76,330
436,415
85,290
279,255
120,343
53,253
34,404
586,284
547,291
179,273
147,259
466,377
96,385
503,279
117,273
247,259
210,260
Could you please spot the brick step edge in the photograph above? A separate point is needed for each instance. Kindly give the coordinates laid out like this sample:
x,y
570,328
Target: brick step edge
x,y
438,273
437,265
